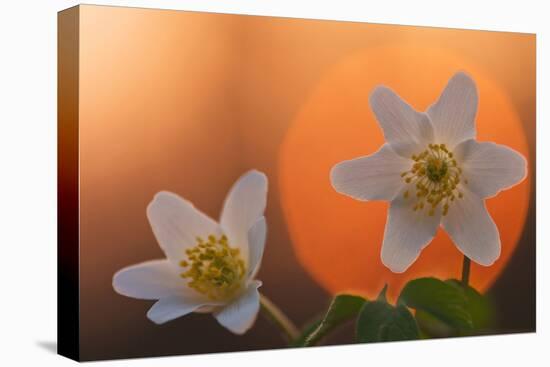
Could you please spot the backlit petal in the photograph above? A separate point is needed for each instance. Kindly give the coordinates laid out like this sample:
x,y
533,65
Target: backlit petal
x,y
407,131
176,224
373,177
407,233
172,307
239,316
453,115
472,229
256,244
244,205
153,279
489,167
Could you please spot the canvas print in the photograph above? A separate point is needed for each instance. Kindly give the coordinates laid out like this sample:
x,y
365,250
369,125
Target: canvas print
x,y
235,183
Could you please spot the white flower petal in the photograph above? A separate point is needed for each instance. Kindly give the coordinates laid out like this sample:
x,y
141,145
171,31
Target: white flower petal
x,y
489,167
172,307
373,177
176,224
453,115
472,229
244,204
239,315
153,279
407,233
407,131
256,244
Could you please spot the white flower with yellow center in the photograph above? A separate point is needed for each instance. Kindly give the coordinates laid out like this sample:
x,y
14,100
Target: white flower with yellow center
x,y
433,172
209,266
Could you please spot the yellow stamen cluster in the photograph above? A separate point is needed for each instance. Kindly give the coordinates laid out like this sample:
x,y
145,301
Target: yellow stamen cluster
x,y
214,268
435,177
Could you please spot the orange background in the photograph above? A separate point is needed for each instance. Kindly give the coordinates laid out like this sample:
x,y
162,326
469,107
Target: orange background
x,y
186,102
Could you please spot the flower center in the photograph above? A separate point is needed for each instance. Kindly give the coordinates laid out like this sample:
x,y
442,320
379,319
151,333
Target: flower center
x,y
435,177
214,268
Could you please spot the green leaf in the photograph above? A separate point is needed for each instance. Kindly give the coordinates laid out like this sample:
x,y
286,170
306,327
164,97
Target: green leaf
x,y
382,295
380,321
432,327
480,307
342,308
440,299
306,331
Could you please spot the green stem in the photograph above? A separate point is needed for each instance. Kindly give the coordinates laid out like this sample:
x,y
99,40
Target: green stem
x,y
465,271
274,313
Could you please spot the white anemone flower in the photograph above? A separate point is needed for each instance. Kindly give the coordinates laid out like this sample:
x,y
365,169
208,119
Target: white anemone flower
x,y
209,266
433,172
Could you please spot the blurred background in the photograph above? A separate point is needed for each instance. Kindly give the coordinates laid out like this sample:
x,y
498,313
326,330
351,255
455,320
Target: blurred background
x,y
187,102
